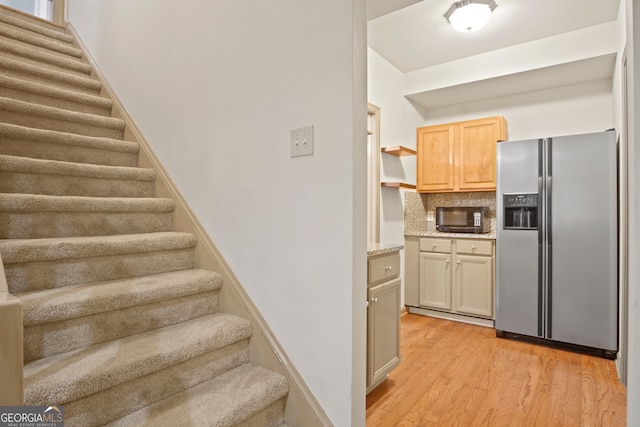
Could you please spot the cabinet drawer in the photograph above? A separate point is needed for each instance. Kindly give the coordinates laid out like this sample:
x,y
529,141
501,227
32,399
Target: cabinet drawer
x,y
475,247
383,268
435,245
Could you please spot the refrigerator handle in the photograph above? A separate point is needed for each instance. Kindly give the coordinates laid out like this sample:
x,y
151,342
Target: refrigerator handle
x,y
548,237
540,238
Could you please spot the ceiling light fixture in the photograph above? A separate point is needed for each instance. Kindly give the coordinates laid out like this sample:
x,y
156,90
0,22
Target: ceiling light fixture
x,y
470,15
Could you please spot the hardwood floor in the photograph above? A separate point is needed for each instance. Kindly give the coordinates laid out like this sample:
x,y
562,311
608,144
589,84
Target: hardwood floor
x,y
455,374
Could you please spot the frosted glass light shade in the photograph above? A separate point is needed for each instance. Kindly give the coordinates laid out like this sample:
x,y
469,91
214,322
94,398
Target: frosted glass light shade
x,y
470,15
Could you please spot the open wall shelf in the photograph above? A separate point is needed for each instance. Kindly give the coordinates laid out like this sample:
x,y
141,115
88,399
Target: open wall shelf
x,y
398,185
399,151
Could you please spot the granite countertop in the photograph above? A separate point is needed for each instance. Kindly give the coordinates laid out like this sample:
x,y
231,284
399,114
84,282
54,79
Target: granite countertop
x,y
485,236
382,248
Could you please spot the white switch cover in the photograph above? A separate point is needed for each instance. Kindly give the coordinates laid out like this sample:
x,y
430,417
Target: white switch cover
x,y
430,216
302,141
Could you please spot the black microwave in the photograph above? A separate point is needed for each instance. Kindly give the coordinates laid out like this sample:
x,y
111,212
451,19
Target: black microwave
x,y
462,220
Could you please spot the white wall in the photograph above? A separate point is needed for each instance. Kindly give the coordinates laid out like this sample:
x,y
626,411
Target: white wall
x,y
398,122
215,87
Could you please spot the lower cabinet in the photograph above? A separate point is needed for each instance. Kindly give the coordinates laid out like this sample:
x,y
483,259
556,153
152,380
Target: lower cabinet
x,y
453,275
383,322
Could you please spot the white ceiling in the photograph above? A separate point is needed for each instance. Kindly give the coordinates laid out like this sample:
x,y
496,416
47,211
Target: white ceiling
x,y
413,34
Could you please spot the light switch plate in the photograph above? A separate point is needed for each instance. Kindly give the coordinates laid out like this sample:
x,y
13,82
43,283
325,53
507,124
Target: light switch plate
x,y
302,141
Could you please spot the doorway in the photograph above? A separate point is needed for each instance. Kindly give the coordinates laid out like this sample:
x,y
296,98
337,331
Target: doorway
x,y
49,10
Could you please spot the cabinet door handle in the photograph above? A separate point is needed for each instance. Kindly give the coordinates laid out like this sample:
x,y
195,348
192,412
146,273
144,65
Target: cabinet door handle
x,y
388,268
374,299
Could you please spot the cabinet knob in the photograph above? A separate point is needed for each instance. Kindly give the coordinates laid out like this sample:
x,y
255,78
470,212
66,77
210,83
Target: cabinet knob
x,y
458,262
434,246
473,248
374,299
388,268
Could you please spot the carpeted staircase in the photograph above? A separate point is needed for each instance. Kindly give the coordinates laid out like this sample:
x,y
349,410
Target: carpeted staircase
x,y
118,325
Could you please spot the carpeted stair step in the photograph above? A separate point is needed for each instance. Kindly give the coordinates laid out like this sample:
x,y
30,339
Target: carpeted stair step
x,y
146,358
39,93
51,145
56,178
39,29
43,117
248,396
32,20
65,319
43,57
48,75
35,216
37,264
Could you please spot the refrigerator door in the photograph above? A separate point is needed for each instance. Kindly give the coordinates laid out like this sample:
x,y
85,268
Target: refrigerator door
x,y
582,293
518,303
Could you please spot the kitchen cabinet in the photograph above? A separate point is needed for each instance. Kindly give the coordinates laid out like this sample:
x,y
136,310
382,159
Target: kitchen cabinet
x,y
451,275
459,156
383,317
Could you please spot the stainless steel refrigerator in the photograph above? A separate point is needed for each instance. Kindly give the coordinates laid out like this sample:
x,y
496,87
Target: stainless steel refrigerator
x,y
557,241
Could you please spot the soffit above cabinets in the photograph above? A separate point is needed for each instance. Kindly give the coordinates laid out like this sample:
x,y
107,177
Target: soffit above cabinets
x,y
571,58
570,73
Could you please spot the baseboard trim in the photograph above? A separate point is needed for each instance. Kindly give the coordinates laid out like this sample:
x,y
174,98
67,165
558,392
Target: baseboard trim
x,y
302,408
451,316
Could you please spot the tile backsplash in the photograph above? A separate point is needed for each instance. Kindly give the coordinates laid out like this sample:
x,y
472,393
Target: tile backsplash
x,y
419,208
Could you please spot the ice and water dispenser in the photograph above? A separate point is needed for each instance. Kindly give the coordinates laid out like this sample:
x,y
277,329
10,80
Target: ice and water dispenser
x,y
520,211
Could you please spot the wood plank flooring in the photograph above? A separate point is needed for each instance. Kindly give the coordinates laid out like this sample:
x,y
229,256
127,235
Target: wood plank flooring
x,y
455,374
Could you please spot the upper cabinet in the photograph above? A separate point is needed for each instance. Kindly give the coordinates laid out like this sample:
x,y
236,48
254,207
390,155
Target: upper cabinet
x,y
459,156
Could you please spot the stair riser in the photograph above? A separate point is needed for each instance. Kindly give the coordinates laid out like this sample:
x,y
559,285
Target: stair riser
x,y
50,101
58,337
33,276
271,416
36,225
90,87
64,185
19,34
116,402
86,128
15,146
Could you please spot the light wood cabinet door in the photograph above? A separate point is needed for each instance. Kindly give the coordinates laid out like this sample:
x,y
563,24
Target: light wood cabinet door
x,y
474,285
477,141
436,156
383,337
459,156
435,280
